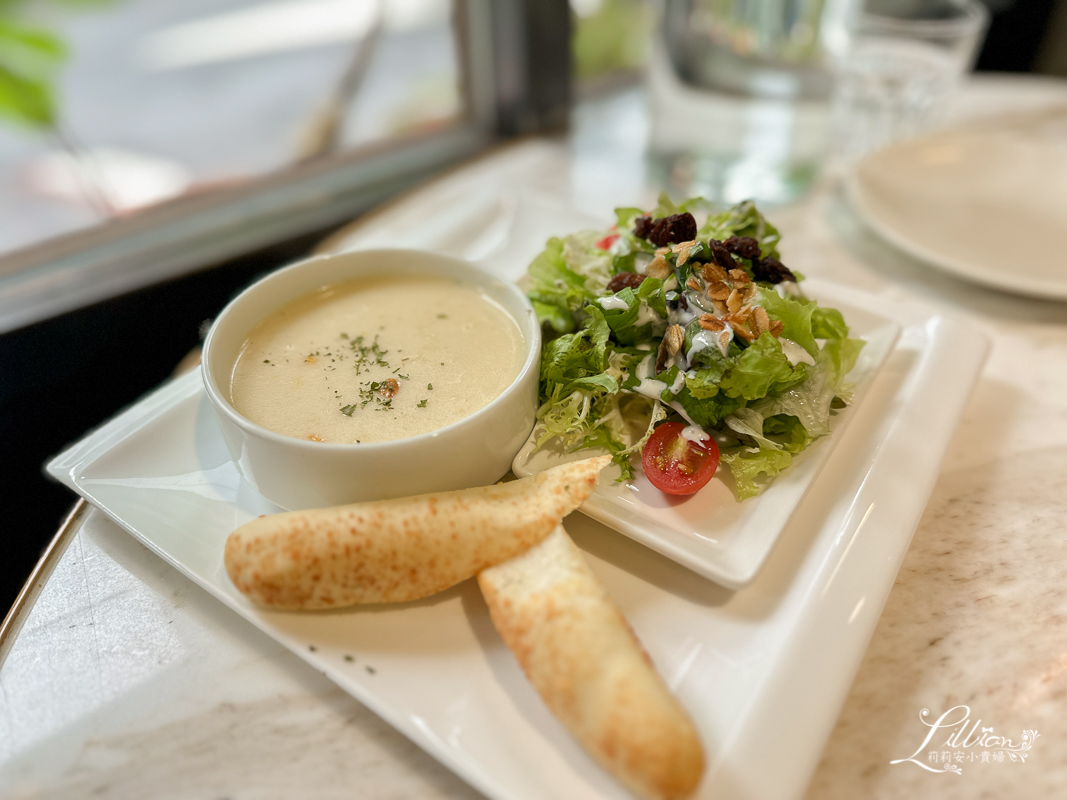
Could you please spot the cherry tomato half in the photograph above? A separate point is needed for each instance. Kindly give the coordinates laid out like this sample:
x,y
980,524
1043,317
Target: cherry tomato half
x,y
676,465
607,241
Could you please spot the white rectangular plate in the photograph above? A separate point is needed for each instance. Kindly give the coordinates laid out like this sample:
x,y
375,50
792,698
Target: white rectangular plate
x,y
763,670
711,532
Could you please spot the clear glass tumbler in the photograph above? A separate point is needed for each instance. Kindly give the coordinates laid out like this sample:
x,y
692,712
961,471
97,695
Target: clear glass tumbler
x,y
899,65
739,95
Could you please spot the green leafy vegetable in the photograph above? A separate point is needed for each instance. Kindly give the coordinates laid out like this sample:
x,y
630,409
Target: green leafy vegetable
x,y
746,467
607,376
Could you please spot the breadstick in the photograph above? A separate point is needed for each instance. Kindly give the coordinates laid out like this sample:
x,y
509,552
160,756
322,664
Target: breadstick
x,y
579,653
397,550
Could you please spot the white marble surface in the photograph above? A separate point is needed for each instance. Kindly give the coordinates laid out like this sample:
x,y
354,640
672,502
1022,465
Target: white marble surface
x,y
129,681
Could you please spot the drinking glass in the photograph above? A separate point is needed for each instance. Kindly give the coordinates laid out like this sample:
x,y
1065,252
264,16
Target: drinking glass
x,y
899,64
739,95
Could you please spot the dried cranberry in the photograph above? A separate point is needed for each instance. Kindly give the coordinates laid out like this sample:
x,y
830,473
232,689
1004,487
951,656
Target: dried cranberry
x,y
625,280
771,270
722,255
744,246
673,229
643,226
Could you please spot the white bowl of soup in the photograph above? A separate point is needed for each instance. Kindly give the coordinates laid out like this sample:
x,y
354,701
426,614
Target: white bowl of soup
x,y
373,374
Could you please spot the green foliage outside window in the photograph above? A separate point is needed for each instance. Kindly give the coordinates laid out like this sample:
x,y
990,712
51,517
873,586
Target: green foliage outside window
x,y
614,37
30,59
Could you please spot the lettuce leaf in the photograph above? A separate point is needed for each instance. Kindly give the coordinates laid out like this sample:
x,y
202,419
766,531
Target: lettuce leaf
x,y
787,431
749,423
704,382
758,370
828,323
625,216
795,316
810,402
746,467
623,321
707,411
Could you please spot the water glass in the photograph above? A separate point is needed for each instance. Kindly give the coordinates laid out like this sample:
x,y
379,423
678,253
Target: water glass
x,y
739,96
898,65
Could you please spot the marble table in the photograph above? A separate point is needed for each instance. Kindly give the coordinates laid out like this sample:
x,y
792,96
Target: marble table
x,y
127,680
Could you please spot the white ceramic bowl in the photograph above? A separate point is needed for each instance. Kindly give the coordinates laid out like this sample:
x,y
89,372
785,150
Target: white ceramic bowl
x,y
296,473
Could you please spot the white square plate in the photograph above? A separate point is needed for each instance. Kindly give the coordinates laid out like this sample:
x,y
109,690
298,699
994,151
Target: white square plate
x,y
763,670
711,532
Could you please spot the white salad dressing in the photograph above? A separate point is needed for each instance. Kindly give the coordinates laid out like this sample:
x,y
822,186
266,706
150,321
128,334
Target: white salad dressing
x,y
681,316
650,387
794,352
787,289
679,383
646,367
695,434
646,315
613,302
676,406
702,339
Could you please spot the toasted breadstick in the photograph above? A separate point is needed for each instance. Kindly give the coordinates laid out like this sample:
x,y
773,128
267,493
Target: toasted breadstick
x,y
579,653
398,550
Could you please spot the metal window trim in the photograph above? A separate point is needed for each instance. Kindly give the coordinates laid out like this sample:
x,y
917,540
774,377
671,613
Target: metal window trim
x,y
191,233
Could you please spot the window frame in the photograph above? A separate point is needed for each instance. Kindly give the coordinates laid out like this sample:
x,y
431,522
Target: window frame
x,y
514,82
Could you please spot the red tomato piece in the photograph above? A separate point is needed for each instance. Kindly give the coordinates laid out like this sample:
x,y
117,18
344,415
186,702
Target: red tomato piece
x,y
607,241
676,465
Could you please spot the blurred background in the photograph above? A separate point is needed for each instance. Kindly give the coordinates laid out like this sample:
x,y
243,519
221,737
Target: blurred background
x,y
157,155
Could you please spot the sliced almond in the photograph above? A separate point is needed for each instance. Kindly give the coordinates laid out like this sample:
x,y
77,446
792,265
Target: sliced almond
x,y
761,320
710,322
776,328
682,250
675,338
718,290
739,277
658,267
724,341
738,323
670,344
734,302
712,272
694,284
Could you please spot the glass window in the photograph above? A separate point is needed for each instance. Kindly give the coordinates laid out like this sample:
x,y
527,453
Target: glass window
x,y
111,107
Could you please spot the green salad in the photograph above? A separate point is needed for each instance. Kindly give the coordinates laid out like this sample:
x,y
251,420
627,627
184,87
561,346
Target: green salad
x,y
665,318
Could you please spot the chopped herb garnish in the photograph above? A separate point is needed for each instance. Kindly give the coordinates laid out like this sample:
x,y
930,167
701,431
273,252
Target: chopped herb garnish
x,y
442,316
421,404
347,410
429,386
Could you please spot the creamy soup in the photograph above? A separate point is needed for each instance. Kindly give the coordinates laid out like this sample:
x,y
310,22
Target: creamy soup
x,y
376,359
